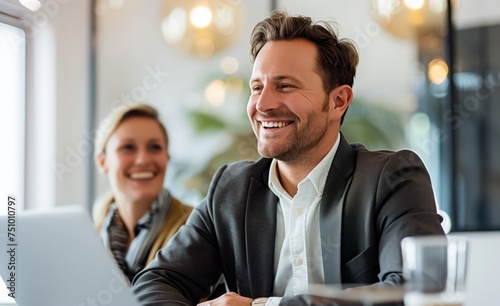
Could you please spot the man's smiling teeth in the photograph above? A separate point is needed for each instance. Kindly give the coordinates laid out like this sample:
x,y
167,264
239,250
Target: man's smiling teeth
x,y
141,175
274,124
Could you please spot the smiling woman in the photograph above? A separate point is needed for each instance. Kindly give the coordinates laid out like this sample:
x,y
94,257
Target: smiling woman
x,y
139,216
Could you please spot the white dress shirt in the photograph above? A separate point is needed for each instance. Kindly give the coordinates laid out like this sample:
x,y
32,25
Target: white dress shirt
x,y
298,260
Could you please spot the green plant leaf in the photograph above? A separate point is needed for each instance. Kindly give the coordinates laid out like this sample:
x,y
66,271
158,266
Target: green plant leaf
x,y
204,122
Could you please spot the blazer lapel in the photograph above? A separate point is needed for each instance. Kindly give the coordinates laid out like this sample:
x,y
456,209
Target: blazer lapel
x,y
337,184
260,236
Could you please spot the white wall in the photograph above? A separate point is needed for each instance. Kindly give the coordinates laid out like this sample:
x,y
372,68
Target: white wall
x,y
58,82
72,36
474,13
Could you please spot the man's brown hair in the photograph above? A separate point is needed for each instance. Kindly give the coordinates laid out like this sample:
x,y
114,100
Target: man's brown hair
x,y
337,58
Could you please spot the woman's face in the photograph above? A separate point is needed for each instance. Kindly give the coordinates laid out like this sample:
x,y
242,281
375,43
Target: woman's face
x,y
136,160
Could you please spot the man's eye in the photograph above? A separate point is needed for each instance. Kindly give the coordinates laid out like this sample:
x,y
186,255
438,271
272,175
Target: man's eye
x,y
256,88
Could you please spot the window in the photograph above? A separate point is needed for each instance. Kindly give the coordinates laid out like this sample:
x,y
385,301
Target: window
x,y
12,121
12,95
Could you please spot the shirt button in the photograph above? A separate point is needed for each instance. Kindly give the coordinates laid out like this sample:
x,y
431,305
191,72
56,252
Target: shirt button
x,y
298,261
299,212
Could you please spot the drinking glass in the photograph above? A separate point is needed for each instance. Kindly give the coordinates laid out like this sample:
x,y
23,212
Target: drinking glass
x,y
434,268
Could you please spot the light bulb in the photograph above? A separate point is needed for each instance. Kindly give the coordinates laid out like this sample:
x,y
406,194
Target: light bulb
x,y
200,16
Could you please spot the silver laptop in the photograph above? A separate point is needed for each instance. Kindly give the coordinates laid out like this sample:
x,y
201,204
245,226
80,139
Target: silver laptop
x,y
58,260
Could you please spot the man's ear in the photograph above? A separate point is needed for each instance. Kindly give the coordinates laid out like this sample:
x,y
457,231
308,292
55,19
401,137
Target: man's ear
x,y
341,98
101,163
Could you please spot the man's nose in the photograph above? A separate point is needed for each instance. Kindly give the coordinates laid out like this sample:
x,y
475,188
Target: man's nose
x,y
268,100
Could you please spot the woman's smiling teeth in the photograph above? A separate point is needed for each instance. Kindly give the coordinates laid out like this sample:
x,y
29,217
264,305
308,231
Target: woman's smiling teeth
x,y
141,175
269,125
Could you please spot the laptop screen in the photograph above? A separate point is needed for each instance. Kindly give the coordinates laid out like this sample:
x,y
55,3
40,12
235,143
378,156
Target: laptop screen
x,y
58,259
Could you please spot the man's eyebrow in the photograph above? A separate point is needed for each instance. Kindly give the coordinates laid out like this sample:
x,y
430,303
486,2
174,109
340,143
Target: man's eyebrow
x,y
278,78
287,77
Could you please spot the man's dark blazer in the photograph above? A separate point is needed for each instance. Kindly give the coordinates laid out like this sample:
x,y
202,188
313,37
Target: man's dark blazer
x,y
371,201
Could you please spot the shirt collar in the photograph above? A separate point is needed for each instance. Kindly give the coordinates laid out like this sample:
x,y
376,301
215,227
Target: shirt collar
x,y
317,176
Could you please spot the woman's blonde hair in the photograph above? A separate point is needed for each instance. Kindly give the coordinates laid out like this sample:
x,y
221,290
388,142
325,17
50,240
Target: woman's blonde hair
x,y
107,127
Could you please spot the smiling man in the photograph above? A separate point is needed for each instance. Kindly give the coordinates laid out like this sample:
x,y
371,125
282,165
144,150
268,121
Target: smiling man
x,y
314,209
